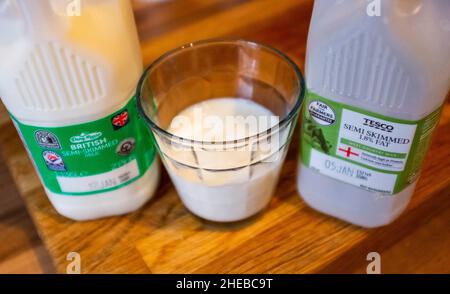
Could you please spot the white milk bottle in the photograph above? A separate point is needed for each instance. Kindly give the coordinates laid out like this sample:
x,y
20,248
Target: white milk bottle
x,y
67,78
377,74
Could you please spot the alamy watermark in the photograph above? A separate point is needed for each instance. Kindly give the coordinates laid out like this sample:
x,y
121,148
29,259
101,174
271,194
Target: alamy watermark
x,y
73,8
215,128
374,266
214,133
74,265
373,8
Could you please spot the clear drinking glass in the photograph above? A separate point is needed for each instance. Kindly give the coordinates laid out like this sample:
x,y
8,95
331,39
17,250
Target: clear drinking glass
x,y
232,179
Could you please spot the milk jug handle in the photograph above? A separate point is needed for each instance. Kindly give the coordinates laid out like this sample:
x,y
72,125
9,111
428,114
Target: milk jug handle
x,y
35,17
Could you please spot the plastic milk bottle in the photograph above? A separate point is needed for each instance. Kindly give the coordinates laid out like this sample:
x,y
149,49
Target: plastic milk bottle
x,y
377,74
68,71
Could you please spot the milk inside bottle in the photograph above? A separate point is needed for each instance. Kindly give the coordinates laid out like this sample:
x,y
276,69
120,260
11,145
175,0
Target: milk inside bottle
x,y
377,74
67,77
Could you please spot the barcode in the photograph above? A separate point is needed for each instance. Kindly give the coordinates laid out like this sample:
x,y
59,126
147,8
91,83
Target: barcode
x,y
125,177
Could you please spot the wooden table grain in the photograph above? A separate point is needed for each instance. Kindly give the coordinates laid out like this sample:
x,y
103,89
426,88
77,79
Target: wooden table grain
x,y
288,237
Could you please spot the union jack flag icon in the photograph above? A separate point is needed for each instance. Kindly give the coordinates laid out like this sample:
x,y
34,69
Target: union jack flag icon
x,y
120,120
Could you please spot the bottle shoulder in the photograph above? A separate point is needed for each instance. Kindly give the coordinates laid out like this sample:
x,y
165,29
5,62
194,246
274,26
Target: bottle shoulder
x,y
384,66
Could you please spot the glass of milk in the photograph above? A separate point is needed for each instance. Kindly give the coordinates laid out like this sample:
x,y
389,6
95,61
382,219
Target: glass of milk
x,y
222,113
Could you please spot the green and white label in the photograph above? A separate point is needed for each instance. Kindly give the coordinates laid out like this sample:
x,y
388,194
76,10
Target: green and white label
x,y
363,148
98,156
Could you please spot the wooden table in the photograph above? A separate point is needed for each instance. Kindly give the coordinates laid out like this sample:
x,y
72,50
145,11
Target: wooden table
x,y
164,237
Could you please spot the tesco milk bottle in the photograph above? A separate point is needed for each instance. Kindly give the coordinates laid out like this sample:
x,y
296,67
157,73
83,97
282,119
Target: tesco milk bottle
x,y
377,74
67,78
